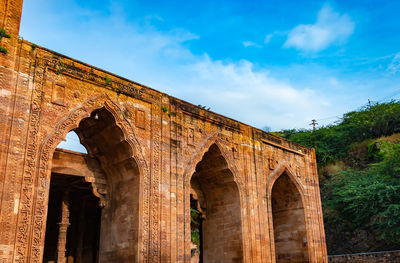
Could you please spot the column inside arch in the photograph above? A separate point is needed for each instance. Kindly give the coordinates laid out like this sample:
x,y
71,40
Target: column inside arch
x,y
73,221
289,222
117,221
217,199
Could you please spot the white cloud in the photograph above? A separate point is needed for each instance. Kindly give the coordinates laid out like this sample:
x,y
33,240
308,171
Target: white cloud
x,y
330,28
268,38
250,44
239,91
333,81
161,60
394,66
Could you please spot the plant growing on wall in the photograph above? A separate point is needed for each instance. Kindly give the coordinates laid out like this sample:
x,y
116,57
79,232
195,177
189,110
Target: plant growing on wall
x,y
107,80
3,33
60,68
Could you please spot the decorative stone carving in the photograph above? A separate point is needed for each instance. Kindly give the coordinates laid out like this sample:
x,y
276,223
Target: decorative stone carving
x,y
235,151
190,136
140,119
273,160
298,174
58,94
163,149
69,123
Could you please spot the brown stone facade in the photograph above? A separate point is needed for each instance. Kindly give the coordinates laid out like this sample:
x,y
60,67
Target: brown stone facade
x,y
149,155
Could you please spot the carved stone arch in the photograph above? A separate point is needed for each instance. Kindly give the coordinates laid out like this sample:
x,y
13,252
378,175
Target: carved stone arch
x,y
280,170
272,179
227,155
72,120
47,148
202,149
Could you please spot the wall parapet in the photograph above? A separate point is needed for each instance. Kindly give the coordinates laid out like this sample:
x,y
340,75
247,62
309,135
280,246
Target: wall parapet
x,y
369,257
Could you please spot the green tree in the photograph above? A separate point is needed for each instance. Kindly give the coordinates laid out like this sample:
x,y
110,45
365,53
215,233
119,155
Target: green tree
x,y
369,199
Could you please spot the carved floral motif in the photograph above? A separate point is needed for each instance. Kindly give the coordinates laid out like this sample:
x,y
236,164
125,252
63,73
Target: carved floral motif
x,y
42,184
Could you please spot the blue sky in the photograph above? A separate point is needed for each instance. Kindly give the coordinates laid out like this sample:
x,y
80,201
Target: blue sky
x,y
266,63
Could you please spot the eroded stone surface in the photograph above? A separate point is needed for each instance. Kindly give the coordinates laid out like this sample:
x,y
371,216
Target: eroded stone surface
x,y
147,152
372,257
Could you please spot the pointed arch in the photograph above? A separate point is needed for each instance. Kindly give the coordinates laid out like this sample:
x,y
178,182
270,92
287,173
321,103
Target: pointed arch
x,y
49,144
72,120
202,149
214,147
279,171
287,212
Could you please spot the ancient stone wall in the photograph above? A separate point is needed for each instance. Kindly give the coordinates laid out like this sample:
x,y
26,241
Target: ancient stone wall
x,y
373,257
148,146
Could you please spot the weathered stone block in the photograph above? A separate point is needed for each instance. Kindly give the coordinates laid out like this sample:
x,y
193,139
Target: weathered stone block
x,y
148,153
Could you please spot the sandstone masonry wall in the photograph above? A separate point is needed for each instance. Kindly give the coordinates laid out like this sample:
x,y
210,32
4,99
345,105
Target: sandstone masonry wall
x,y
373,257
44,95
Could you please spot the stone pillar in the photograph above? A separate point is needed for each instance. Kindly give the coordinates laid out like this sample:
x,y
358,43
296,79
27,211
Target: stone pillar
x,y
63,228
81,230
10,17
14,241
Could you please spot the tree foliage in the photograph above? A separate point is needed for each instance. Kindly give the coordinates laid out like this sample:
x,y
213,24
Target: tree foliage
x,y
195,218
359,198
332,142
368,199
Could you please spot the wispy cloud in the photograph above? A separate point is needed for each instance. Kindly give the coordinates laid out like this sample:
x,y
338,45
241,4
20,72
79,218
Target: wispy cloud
x,y
330,28
250,44
162,60
254,96
394,66
268,38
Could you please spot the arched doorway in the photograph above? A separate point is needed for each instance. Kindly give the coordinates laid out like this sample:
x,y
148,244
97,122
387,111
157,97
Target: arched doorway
x,y
216,201
118,206
290,233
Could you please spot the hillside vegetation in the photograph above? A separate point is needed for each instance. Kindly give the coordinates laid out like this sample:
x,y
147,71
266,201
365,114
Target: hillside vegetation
x,y
359,170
